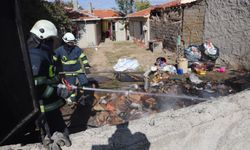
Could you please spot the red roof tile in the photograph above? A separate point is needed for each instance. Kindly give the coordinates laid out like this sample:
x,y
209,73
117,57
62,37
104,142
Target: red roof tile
x,y
141,13
105,13
85,14
147,11
169,4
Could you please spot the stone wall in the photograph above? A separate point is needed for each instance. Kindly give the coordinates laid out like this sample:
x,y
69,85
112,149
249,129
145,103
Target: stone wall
x,y
193,23
166,25
227,25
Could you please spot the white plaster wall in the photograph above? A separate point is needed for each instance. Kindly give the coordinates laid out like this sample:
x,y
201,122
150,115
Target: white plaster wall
x,y
120,31
88,34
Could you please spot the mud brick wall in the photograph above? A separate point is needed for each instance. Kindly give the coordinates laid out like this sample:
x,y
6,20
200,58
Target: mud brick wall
x,y
166,25
135,29
193,23
227,25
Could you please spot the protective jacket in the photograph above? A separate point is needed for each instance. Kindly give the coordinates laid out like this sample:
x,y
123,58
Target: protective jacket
x,y
72,58
42,68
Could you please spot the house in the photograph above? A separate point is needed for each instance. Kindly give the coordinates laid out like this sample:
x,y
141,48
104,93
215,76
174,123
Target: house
x,y
224,23
94,26
141,28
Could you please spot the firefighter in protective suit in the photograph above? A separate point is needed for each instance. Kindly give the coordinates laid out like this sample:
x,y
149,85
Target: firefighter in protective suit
x,y
40,44
74,62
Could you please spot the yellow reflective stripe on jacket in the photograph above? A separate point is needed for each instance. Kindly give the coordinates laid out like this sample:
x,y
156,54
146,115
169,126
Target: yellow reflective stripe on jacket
x,y
55,58
73,95
80,71
85,61
42,108
75,73
82,55
69,62
51,71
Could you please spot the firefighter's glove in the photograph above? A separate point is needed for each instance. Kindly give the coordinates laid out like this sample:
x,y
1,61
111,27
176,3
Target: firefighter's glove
x,y
63,92
46,141
87,68
54,146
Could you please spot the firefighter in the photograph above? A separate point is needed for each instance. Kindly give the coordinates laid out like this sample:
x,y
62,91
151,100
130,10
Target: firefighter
x,y
40,45
74,62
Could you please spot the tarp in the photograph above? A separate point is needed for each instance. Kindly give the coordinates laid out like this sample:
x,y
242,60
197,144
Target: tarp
x,y
126,64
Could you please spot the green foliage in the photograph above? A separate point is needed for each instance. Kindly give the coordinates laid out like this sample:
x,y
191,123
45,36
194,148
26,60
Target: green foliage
x,y
125,6
141,4
34,10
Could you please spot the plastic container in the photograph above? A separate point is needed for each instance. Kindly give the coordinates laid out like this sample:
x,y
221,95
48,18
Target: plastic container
x,y
180,71
201,72
183,64
221,70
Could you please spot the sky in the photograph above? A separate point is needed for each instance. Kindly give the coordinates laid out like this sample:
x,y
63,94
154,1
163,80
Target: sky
x,y
106,4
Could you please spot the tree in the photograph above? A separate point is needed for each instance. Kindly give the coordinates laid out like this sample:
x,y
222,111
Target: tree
x,y
125,6
141,4
34,10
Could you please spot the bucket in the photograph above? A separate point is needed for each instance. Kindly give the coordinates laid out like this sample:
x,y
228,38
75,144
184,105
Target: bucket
x,y
183,64
180,71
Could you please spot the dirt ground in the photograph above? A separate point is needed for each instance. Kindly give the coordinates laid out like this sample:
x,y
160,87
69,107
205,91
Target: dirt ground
x,y
106,56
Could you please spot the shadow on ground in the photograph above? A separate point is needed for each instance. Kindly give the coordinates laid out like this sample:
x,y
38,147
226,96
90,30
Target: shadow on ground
x,y
83,111
124,139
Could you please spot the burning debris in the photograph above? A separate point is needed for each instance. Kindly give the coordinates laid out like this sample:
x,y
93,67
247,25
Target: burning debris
x,y
116,108
191,81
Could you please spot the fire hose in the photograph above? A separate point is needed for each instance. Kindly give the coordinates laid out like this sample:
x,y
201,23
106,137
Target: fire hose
x,y
128,92
69,87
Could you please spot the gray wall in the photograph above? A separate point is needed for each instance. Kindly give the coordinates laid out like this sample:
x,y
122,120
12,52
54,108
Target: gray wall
x,y
227,25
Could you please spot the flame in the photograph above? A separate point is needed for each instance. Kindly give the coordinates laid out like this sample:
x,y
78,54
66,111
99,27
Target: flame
x,y
110,107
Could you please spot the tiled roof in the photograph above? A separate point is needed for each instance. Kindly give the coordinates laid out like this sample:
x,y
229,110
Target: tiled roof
x,y
95,15
146,12
169,4
108,13
142,13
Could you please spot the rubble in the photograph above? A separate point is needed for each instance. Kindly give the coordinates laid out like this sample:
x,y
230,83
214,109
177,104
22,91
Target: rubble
x,y
194,79
114,109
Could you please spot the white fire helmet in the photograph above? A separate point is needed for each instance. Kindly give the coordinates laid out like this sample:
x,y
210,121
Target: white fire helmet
x,y
69,37
44,29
